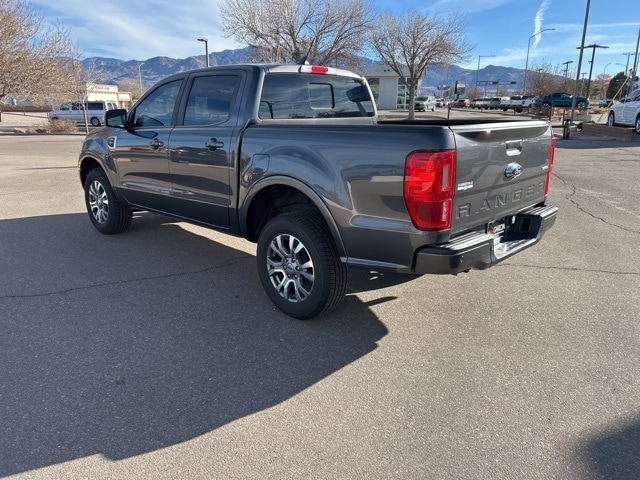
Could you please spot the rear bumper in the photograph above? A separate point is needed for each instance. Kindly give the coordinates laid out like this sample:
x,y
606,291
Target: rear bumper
x,y
480,251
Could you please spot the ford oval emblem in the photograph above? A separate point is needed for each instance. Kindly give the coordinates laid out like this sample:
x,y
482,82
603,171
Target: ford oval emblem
x,y
513,170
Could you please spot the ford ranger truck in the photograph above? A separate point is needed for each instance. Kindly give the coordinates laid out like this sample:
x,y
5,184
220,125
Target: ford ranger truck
x,y
294,159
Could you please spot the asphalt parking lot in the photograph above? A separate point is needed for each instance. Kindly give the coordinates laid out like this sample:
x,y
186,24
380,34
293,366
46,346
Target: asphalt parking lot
x,y
155,353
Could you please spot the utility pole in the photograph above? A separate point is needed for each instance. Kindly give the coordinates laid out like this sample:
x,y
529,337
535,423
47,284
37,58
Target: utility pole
x,y
584,35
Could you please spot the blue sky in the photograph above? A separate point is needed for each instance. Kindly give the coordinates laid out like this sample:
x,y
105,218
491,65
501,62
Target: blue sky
x,y
133,30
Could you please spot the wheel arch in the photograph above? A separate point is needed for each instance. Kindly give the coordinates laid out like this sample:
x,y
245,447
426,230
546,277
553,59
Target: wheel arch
x,y
88,163
85,165
277,195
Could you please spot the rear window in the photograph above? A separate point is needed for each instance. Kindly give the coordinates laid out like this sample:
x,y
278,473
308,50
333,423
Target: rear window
x,y
287,96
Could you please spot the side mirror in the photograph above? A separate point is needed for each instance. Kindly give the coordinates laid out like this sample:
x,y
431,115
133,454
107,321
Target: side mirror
x,y
115,118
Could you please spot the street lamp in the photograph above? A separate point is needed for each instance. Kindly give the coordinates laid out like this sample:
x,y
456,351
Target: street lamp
x,y
593,55
566,71
626,70
526,66
140,77
206,48
478,69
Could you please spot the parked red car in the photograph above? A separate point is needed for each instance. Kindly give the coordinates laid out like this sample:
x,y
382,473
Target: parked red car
x,y
463,102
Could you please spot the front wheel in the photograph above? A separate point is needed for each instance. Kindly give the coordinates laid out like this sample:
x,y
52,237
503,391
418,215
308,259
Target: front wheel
x,y
611,120
546,104
107,214
581,105
298,265
637,125
95,122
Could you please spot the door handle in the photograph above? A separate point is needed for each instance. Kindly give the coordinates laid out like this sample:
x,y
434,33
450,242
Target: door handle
x,y
156,144
214,144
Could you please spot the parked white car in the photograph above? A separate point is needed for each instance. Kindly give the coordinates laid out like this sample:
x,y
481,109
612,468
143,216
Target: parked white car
x,y
626,112
74,112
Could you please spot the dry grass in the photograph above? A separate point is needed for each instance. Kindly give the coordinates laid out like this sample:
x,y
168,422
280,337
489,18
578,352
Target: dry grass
x,y
62,126
53,126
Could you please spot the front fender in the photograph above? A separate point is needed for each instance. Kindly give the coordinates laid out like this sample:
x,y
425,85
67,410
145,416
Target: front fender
x,y
96,151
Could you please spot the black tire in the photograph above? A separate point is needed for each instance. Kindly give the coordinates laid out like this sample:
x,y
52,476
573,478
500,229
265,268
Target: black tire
x,y
581,105
107,214
298,265
546,104
637,125
611,119
95,121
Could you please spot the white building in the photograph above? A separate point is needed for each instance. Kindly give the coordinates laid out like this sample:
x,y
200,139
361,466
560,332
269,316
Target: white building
x,y
389,90
108,93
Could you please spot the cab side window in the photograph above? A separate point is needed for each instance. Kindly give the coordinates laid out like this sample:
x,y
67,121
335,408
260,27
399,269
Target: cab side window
x,y
210,99
157,109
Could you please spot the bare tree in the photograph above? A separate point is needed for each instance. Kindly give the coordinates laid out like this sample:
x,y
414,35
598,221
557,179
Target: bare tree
x,y
131,85
544,79
409,43
327,31
32,57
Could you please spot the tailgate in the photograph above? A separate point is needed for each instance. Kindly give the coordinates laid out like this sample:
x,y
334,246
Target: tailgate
x,y
501,170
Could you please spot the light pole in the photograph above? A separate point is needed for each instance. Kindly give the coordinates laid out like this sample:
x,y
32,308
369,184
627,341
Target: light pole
x,y
526,66
593,55
478,69
566,71
603,80
206,48
626,72
140,77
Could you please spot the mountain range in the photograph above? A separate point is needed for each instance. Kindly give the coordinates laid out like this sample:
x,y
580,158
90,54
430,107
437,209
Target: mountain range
x,y
113,71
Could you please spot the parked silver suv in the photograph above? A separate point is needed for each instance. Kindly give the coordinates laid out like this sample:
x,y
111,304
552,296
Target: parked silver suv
x,y
424,103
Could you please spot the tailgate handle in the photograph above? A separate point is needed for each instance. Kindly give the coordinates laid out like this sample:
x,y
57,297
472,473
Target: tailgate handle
x,y
514,148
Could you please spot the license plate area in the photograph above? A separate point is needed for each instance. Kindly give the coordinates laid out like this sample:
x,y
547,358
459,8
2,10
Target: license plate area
x,y
498,229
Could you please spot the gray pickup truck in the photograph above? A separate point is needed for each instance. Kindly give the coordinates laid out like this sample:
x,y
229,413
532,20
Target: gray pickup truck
x,y
294,158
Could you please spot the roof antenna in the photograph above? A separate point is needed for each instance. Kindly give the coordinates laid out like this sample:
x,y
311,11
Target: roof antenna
x,y
303,59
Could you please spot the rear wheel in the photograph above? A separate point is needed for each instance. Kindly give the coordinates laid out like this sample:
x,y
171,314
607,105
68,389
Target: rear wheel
x,y
107,214
611,120
298,265
637,125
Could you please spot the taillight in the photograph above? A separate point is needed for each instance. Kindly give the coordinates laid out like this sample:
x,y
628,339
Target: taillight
x,y
552,152
429,178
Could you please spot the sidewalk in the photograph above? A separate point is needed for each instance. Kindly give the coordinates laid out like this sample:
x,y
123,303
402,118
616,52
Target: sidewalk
x,y
11,120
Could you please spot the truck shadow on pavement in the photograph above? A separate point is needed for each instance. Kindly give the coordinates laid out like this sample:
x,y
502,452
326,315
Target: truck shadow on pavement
x,y
615,453
121,345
